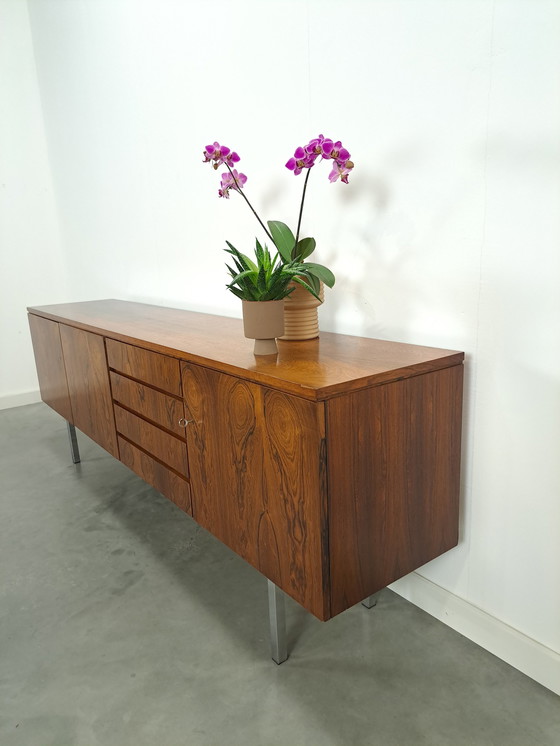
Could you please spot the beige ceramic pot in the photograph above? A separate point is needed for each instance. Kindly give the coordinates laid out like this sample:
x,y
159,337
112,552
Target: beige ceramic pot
x,y
263,321
301,320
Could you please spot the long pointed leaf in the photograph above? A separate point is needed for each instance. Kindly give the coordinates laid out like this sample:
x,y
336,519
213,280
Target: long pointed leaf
x,y
242,275
314,282
237,253
261,280
235,291
306,286
283,238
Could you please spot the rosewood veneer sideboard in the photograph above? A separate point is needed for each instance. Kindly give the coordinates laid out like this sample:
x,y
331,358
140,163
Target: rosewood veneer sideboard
x,y
332,467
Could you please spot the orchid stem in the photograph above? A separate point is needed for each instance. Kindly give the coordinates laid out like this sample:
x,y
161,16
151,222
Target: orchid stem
x,y
239,189
301,205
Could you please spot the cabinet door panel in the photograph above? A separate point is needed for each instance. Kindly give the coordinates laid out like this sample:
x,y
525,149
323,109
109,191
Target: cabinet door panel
x,y
88,384
49,359
256,460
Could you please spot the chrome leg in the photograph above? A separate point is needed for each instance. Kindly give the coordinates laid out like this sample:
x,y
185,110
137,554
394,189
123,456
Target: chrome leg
x,y
369,602
277,614
74,450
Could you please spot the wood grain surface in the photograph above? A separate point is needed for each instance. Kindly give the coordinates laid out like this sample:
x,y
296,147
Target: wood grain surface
x,y
164,446
394,459
88,384
315,369
163,409
49,360
161,371
256,460
157,475
333,467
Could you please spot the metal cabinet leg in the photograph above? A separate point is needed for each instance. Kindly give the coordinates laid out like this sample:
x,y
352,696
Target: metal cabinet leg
x,y
369,602
74,450
277,614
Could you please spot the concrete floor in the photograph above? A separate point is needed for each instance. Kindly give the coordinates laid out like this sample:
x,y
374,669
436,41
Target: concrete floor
x,y
122,622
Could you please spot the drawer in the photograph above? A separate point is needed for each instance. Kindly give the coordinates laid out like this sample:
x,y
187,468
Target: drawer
x,y
160,371
162,479
161,408
156,442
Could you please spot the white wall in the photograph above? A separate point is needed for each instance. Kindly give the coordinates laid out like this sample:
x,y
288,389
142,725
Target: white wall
x,y
32,268
447,234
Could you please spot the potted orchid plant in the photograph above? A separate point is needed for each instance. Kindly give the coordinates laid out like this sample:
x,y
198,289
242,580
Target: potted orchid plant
x,y
274,278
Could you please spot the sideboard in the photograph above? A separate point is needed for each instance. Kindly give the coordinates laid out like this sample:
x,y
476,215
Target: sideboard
x,y
333,467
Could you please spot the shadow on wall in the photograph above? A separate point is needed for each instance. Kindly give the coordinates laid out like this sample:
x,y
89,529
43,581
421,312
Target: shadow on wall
x,y
369,255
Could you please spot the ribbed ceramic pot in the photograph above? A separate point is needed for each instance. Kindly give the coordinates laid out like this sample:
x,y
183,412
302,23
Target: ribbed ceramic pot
x,y
263,321
301,319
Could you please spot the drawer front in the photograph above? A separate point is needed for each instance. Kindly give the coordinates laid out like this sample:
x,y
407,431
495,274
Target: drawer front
x,y
161,408
162,479
160,371
156,442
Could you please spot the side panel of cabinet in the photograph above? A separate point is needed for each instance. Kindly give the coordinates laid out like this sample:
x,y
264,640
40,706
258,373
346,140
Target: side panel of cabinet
x,y
257,467
88,384
49,360
394,461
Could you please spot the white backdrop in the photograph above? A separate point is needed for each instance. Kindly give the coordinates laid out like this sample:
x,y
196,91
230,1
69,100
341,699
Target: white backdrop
x,y
448,233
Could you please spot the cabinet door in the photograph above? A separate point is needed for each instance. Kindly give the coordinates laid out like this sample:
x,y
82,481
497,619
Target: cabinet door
x,y
257,466
49,360
88,384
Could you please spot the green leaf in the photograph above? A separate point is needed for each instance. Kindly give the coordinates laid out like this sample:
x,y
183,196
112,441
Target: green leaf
x,y
261,280
321,272
235,291
242,275
306,286
240,265
305,247
259,253
236,253
313,281
232,272
283,238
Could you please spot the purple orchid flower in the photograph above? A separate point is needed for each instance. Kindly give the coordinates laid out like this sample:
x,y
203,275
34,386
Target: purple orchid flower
x,y
301,159
304,158
219,155
231,180
326,149
319,146
340,170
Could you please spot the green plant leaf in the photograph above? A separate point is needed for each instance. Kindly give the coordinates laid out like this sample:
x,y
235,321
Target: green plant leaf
x,y
242,275
321,272
236,253
261,280
271,277
232,271
236,291
305,247
304,284
313,281
283,238
259,253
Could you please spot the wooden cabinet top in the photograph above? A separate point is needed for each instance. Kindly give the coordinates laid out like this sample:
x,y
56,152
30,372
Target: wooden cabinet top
x,y
317,369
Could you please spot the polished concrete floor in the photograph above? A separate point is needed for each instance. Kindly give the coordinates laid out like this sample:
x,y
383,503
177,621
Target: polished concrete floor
x,y
122,622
